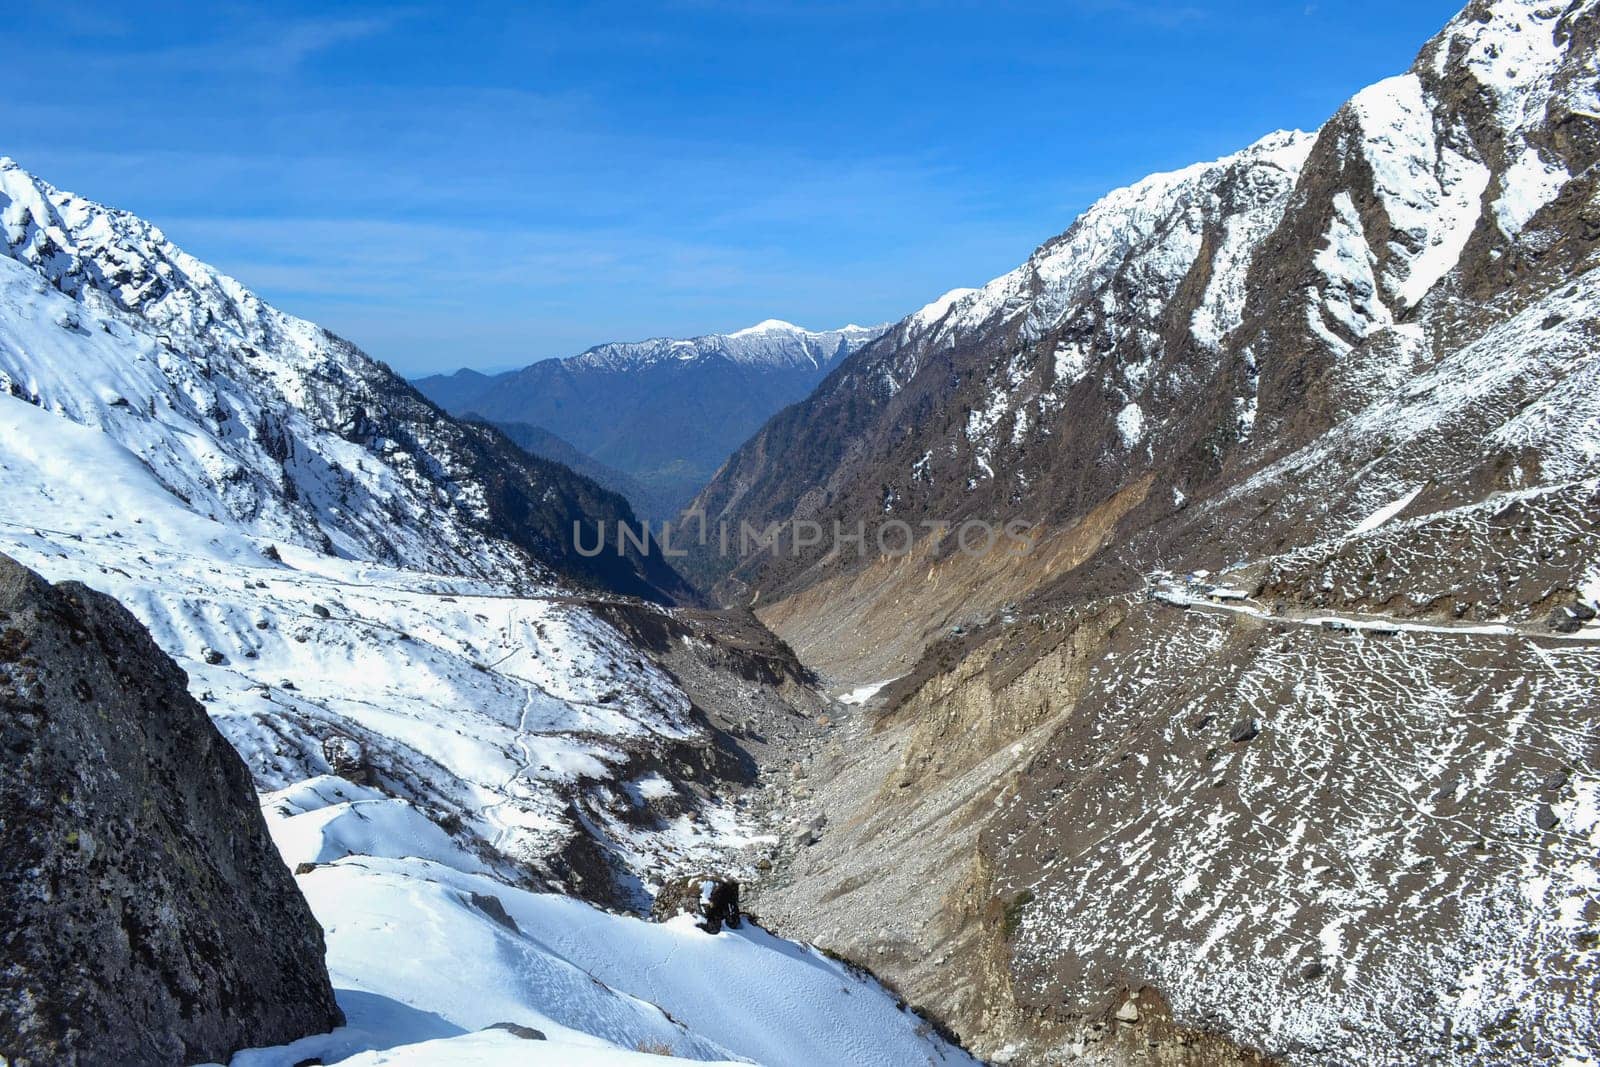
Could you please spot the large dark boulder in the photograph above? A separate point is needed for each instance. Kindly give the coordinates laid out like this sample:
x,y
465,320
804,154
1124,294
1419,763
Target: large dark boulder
x,y
145,916
1569,618
713,901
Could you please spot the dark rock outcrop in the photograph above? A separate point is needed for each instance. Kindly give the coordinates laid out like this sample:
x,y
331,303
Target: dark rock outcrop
x,y
147,917
347,759
714,902
1569,618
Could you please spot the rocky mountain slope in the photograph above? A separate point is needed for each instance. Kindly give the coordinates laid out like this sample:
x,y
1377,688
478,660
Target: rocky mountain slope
x,y
1280,739
1200,325
148,917
457,728
665,412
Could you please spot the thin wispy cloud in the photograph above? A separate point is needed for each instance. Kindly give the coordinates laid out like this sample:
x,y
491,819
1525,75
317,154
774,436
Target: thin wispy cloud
x,y
252,46
307,37
1167,16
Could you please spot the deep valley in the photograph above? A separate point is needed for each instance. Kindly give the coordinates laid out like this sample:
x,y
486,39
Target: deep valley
x,y
1277,744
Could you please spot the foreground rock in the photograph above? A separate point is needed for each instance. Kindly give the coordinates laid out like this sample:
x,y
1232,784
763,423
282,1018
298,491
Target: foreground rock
x,y
147,917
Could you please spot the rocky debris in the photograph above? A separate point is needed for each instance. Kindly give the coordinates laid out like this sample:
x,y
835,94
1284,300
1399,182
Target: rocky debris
x,y
527,1033
1244,730
810,831
1107,727
148,916
713,901
1128,1011
321,611
1569,618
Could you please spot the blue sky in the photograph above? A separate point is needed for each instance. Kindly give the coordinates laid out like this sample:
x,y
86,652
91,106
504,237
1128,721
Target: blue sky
x,y
486,185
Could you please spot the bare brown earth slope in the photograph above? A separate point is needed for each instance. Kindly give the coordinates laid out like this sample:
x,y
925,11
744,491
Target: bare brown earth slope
x,y
1283,739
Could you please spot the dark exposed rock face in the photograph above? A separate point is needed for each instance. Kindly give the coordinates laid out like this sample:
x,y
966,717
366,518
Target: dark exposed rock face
x,y
145,916
346,759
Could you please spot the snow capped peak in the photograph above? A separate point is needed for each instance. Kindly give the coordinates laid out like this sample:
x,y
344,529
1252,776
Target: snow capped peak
x,y
768,326
935,310
1153,214
770,343
782,326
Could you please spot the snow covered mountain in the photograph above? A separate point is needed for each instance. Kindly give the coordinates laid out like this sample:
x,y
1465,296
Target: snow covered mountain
x,y
257,418
772,343
665,412
452,719
1199,325
1278,740
1279,746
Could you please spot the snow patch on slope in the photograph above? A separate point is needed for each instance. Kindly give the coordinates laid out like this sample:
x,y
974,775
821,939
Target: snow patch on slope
x,y
1385,513
426,953
1530,183
1431,192
1351,298
477,952
937,309
1130,425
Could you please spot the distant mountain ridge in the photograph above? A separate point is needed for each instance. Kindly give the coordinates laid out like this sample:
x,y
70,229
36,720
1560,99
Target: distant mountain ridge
x,y
769,343
666,412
